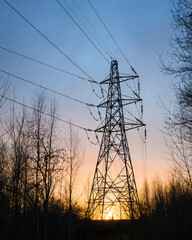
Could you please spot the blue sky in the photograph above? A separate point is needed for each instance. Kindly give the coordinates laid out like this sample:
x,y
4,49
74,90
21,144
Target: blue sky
x,y
142,30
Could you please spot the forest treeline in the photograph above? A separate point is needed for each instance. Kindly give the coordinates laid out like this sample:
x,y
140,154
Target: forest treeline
x,y
38,173
31,173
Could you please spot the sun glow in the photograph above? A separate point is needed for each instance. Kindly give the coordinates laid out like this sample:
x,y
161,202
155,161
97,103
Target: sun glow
x,y
111,215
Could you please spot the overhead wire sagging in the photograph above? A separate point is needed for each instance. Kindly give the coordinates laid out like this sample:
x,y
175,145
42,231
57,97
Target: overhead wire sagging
x,y
133,70
59,69
47,65
89,79
97,37
89,109
94,143
65,10
86,27
54,45
43,35
47,114
48,89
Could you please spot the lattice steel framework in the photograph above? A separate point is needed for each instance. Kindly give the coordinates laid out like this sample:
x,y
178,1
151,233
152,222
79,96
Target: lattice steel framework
x,y
114,192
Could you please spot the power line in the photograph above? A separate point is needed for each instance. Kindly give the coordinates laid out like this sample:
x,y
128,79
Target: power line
x,y
47,114
96,136
48,89
47,39
86,26
56,68
47,65
56,48
111,36
82,30
97,37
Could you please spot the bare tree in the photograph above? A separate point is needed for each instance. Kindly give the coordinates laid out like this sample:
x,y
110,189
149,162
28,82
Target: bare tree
x,y
3,163
180,58
145,198
16,163
178,122
46,154
31,163
74,156
4,87
180,152
4,196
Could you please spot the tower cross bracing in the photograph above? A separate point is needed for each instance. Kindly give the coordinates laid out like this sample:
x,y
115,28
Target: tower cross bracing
x,y
114,192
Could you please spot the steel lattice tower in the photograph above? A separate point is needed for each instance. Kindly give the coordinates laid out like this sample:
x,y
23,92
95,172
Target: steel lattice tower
x,y
114,192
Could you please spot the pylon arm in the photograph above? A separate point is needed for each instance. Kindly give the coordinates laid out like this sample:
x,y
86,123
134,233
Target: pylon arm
x,y
125,101
127,127
126,78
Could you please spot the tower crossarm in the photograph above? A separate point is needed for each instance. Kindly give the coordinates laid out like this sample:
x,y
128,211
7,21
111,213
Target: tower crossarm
x,y
124,102
120,79
127,126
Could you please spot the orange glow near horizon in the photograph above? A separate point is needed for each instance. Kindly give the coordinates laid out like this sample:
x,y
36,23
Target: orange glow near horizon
x,y
111,215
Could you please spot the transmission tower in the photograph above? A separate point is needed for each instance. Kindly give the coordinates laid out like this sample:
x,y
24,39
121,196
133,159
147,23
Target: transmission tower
x,y
114,192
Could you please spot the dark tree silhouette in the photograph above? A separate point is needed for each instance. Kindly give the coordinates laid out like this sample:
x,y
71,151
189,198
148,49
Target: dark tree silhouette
x,y
4,88
178,123
74,157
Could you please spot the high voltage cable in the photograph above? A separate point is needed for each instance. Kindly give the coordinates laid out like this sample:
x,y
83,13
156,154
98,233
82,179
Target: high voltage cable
x,y
111,36
56,48
81,30
56,68
98,38
86,27
97,139
145,158
48,89
108,31
47,65
47,114
47,39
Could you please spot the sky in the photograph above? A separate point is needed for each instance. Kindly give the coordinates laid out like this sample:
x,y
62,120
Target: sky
x,y
142,29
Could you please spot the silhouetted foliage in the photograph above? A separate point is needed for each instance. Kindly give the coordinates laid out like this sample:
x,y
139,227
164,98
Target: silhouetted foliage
x,y
32,165
170,210
178,122
74,157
